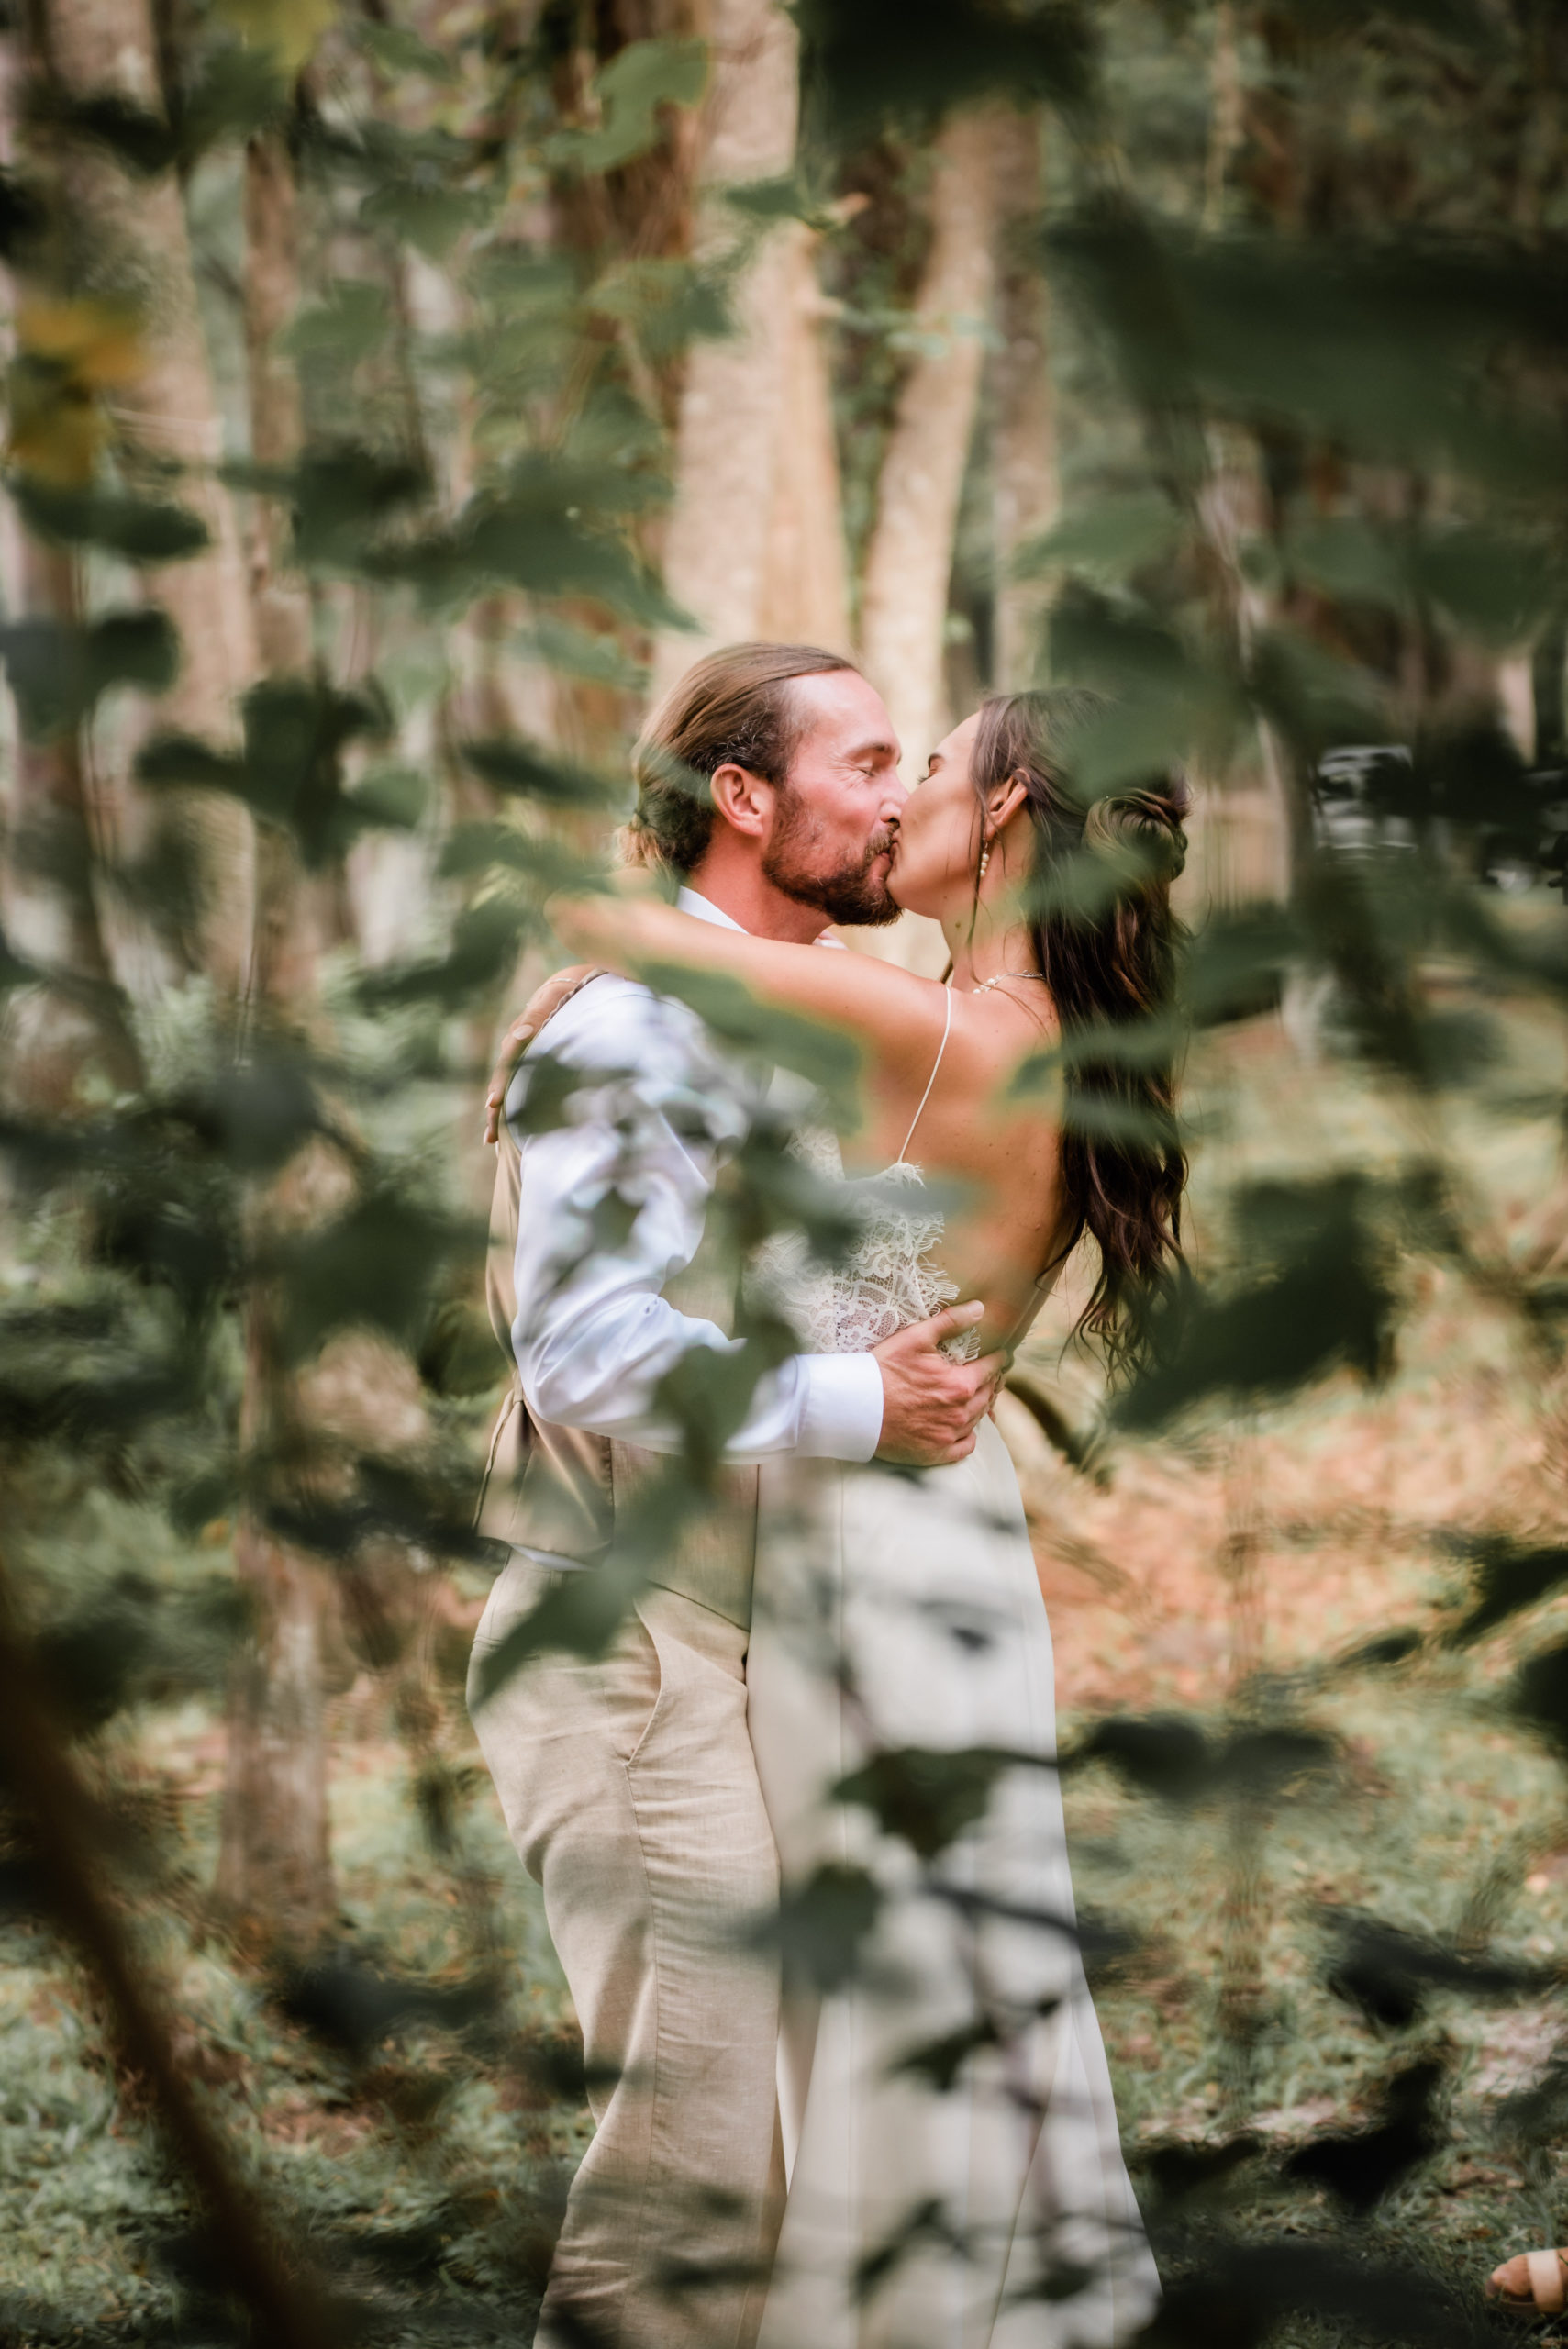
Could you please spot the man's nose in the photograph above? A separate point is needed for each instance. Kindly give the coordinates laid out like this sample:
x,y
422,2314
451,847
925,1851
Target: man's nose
x,y
894,791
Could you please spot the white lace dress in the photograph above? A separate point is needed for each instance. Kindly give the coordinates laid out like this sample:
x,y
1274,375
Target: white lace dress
x,y
950,2136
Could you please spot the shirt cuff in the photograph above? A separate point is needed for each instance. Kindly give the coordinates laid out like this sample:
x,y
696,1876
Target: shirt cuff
x,y
842,1415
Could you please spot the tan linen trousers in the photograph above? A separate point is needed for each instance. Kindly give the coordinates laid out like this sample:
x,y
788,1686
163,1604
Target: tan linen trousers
x,y
630,1792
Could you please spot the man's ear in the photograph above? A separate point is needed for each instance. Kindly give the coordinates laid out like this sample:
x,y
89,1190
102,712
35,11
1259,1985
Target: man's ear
x,y
744,800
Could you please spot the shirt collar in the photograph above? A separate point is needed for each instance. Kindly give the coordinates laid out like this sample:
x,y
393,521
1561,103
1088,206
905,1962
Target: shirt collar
x,y
692,901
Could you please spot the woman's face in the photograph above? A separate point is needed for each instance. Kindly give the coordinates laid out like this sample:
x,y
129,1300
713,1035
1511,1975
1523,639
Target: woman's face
x,y
939,839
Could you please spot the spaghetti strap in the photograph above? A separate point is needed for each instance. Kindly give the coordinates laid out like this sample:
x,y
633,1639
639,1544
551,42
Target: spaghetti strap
x,y
946,1024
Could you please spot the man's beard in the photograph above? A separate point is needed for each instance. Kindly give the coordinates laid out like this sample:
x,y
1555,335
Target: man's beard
x,y
851,893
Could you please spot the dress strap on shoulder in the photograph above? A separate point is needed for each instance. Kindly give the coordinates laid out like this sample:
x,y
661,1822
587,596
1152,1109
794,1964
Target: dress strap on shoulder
x,y
947,1025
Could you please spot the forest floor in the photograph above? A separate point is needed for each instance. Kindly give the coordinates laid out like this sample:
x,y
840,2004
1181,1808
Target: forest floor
x,y
1245,1563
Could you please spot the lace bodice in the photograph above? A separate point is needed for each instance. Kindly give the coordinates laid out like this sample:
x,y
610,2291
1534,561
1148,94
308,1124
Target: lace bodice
x,y
891,1276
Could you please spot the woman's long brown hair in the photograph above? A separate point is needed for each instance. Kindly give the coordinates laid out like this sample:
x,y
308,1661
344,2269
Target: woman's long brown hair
x,y
1107,943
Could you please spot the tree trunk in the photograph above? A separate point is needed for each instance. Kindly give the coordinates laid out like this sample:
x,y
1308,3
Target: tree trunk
x,y
908,570
275,1861
280,605
274,1869
56,1033
1224,123
733,416
131,238
48,904
1026,490
1244,834
805,588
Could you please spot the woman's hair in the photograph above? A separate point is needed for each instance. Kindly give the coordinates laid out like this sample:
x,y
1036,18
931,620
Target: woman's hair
x,y
736,707
1107,942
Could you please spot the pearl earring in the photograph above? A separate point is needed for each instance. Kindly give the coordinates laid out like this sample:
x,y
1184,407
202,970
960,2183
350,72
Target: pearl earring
x,y
985,860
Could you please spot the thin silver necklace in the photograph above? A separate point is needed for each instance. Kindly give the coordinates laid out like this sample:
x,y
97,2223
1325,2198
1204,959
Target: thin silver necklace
x,y
986,985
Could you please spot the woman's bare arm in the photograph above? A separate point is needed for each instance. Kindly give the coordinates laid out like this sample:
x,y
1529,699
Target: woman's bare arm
x,y
897,1017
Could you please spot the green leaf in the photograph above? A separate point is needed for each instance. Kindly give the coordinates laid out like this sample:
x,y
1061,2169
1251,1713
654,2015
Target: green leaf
x,y
290,772
392,798
1238,964
631,88
1349,559
238,92
141,529
1165,699
343,495
539,535
1387,347
522,770
1313,696
351,323
550,864
668,302
927,1795
1496,587
140,140
483,954
431,219
400,50
826,1057
789,197
1314,1294
905,63
821,1926
375,1267
58,671
23,218
1107,539
14,971
1508,1577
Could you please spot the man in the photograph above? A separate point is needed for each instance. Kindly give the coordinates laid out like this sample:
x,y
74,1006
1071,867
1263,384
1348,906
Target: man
x,y
628,1784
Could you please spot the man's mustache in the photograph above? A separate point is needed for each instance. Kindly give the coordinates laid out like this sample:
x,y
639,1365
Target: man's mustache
x,y
882,842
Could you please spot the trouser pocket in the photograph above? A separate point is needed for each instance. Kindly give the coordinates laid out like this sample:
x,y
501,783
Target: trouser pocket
x,y
631,1681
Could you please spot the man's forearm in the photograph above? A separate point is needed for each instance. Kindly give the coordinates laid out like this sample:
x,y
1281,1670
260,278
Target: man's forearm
x,y
600,1369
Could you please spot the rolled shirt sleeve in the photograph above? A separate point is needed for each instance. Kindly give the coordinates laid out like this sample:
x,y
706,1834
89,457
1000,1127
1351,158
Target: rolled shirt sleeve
x,y
611,1208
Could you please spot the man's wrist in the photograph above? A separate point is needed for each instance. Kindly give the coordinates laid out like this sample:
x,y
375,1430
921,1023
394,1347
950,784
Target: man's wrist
x,y
841,1414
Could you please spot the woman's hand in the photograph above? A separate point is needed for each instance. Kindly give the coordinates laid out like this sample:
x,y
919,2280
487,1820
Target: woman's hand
x,y
543,1003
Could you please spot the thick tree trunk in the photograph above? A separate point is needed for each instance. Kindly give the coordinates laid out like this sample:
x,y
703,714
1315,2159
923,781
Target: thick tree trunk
x,y
908,570
275,1861
1026,490
49,909
54,1034
280,605
805,588
274,1870
733,416
132,239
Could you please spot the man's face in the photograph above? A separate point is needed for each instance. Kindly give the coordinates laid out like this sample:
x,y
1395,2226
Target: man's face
x,y
835,819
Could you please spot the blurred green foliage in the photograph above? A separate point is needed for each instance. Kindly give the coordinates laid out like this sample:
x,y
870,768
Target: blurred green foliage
x,y
1310,373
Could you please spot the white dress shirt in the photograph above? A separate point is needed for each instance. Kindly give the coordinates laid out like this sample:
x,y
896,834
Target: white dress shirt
x,y
593,1335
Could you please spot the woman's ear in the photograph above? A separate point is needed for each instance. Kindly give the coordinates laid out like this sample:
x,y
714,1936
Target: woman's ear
x,y
743,800
1004,800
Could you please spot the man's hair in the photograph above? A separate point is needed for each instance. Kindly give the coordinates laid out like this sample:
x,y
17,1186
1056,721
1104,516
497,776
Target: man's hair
x,y
737,708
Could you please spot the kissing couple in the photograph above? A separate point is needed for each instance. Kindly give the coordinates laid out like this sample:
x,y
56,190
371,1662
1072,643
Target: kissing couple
x,y
920,2151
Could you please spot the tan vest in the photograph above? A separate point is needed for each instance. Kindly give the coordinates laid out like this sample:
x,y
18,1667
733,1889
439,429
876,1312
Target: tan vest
x,y
553,1492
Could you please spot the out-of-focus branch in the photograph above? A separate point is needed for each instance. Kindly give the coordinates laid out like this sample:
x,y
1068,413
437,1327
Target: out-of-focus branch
x,y
38,1768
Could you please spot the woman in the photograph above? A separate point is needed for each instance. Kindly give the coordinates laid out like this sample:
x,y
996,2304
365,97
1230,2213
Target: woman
x,y
956,2175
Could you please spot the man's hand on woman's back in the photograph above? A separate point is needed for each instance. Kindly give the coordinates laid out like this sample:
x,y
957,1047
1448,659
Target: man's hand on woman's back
x,y
932,1406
